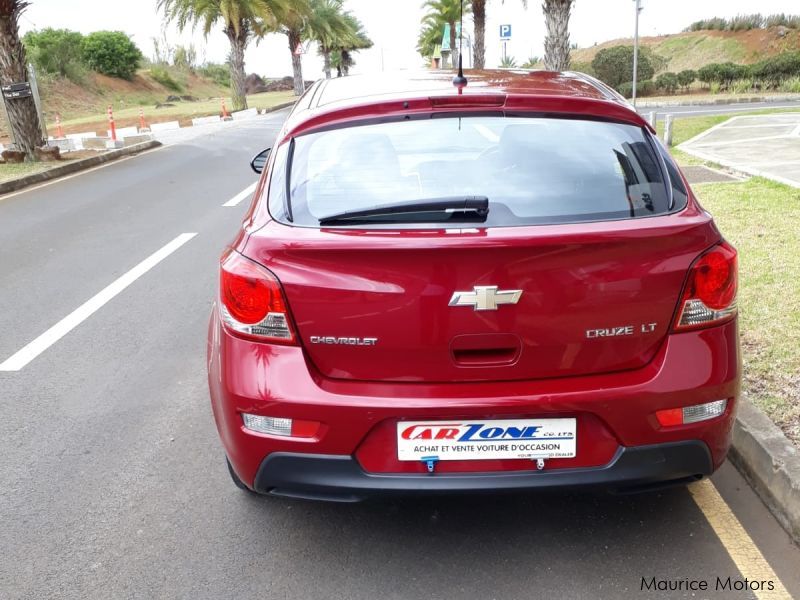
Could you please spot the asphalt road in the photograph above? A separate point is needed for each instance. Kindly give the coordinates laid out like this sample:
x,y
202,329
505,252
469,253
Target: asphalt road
x,y
715,109
113,483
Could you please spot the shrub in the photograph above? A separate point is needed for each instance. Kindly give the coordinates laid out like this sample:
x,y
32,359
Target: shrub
x,y
626,89
686,78
185,57
219,74
746,22
723,74
111,53
742,86
615,65
56,52
790,85
532,62
772,71
162,76
783,20
667,82
583,67
508,62
643,88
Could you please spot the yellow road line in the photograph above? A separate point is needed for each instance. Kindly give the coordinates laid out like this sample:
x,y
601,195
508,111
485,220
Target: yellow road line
x,y
741,548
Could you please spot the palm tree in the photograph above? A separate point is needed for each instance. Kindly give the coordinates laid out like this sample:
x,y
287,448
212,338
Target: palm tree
x,y
292,21
447,11
342,51
556,43
23,119
242,20
479,44
430,35
329,27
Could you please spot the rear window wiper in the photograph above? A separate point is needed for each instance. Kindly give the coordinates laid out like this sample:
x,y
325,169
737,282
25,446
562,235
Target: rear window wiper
x,y
460,209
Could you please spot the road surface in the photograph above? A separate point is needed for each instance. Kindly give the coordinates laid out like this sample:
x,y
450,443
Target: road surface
x,y
113,483
701,110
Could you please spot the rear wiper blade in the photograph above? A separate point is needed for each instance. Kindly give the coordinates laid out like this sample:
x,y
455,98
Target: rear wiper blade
x,y
469,209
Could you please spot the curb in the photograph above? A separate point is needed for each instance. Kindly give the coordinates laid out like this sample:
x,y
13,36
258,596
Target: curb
x,y
74,167
770,463
277,107
718,101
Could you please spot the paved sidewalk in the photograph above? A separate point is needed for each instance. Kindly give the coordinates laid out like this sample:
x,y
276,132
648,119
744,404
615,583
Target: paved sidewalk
x,y
763,145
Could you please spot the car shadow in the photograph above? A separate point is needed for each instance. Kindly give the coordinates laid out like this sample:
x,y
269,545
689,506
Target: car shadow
x,y
504,546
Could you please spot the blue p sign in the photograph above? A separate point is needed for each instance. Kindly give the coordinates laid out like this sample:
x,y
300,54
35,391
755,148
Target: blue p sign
x,y
505,32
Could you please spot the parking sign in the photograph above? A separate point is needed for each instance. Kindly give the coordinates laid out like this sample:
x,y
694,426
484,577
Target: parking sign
x,y
505,32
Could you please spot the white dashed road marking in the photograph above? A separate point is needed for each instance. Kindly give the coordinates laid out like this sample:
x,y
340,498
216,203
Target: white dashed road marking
x,y
85,310
245,193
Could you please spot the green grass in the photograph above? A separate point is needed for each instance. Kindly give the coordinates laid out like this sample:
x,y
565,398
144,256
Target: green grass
x,y
760,217
689,52
9,172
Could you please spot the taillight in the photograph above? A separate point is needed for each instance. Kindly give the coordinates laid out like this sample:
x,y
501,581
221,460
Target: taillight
x,y
252,301
709,297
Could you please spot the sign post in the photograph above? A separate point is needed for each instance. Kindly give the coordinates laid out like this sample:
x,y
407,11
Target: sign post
x,y
505,36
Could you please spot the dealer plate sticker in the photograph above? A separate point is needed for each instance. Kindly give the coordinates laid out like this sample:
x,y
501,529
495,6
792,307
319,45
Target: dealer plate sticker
x,y
486,439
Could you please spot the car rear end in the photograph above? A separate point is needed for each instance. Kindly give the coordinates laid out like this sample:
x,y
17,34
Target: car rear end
x,y
579,330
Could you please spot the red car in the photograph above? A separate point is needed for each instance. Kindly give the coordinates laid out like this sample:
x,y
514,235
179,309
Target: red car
x,y
503,286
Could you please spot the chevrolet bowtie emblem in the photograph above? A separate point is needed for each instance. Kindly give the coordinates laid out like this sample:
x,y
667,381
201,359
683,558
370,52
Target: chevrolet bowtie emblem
x,y
485,297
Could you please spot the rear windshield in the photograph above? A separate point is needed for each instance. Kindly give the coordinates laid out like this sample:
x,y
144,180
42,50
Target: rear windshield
x,y
532,170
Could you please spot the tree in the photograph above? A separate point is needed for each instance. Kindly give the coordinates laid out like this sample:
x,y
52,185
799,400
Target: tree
x,y
241,21
430,35
111,53
615,65
556,42
342,53
22,115
56,51
479,44
329,27
668,82
292,21
446,12
686,78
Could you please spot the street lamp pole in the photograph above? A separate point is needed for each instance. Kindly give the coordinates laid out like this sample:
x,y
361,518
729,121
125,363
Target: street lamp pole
x,y
636,49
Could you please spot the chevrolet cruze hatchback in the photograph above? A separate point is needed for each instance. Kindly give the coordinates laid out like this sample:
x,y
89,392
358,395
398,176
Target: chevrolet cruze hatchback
x,y
503,286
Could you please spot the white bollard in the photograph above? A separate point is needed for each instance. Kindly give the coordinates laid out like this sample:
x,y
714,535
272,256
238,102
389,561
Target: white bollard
x,y
668,131
651,118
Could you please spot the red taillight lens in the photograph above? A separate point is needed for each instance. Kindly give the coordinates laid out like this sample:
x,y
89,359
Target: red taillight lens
x,y
252,302
710,294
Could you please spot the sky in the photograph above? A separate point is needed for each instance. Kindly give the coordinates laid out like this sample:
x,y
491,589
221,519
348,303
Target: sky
x,y
393,25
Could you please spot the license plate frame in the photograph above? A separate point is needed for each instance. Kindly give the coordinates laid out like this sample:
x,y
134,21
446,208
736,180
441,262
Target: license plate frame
x,y
487,439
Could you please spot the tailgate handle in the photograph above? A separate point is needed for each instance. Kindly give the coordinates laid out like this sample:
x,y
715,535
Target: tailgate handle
x,y
485,350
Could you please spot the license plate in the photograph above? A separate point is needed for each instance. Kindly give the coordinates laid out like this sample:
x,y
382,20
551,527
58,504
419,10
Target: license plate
x,y
486,439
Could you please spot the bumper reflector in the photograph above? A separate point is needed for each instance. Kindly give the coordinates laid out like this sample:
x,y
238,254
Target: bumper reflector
x,y
280,426
691,414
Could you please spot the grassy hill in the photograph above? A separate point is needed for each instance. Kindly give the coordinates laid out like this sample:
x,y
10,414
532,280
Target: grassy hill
x,y
82,107
692,50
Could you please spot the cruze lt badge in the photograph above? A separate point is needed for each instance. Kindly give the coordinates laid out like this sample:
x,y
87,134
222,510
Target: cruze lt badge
x,y
607,332
343,341
485,297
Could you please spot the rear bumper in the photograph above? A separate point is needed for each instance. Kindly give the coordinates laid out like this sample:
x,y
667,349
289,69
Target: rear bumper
x,y
355,448
340,478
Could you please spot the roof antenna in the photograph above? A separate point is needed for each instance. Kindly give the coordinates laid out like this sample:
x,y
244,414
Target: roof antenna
x,y
459,80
